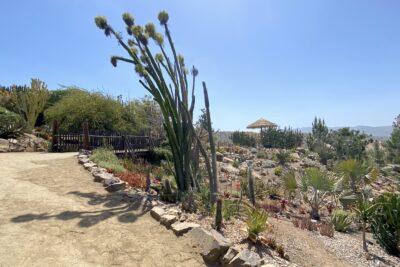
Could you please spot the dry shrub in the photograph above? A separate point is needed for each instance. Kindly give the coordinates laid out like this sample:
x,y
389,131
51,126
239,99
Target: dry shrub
x,y
134,179
307,224
326,230
281,251
271,242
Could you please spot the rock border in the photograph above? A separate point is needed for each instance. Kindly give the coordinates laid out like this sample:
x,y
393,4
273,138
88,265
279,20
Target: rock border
x,y
212,245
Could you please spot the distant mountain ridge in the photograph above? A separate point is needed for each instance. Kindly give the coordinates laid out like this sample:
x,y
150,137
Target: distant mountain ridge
x,y
376,131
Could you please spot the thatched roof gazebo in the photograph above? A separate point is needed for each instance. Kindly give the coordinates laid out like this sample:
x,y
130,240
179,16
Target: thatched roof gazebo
x,y
262,124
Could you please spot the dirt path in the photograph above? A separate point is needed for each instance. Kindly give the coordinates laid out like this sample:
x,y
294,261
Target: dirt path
x,y
55,215
302,248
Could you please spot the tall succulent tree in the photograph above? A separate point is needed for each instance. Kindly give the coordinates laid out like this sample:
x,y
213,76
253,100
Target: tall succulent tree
x,y
165,76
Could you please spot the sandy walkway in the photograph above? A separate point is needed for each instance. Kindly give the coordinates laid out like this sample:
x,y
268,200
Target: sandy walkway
x,y
55,215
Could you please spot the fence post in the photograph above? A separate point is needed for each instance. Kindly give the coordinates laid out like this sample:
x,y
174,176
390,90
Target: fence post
x,y
86,145
54,140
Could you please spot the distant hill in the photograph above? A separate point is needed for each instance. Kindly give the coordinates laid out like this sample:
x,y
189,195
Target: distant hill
x,y
378,131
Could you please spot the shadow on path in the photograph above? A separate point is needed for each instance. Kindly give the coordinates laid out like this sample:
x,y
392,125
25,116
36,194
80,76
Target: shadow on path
x,y
110,205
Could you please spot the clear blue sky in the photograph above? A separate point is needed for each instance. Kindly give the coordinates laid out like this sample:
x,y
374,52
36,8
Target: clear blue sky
x,y
286,61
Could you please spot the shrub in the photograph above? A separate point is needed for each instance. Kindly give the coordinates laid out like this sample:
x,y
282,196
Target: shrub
x,y
386,223
283,157
158,173
269,207
228,209
160,153
236,164
278,171
290,183
261,154
243,139
135,180
281,251
341,220
106,158
11,124
256,222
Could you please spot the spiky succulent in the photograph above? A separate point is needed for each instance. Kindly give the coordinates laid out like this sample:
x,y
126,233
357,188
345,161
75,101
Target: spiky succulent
x,y
163,17
140,70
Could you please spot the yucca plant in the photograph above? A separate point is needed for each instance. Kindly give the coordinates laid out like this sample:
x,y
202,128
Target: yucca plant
x,y
165,76
341,220
290,183
256,223
283,157
315,185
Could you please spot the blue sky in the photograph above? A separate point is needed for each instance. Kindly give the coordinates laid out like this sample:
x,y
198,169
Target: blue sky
x,y
287,61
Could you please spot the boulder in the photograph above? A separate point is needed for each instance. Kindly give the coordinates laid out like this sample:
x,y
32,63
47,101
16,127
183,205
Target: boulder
x,y
181,228
168,219
295,157
212,244
83,160
116,187
157,212
245,258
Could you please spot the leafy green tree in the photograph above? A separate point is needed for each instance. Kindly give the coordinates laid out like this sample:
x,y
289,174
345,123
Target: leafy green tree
x,y
286,138
103,113
315,186
349,144
378,154
393,144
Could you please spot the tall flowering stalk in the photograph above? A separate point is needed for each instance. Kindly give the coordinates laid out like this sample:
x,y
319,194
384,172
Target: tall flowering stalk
x,y
165,76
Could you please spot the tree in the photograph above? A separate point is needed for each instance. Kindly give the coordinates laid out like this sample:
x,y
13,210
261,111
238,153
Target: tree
x,y
164,76
348,144
393,144
315,185
379,154
243,139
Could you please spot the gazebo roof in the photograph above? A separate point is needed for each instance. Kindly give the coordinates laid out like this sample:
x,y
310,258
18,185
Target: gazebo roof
x,y
262,123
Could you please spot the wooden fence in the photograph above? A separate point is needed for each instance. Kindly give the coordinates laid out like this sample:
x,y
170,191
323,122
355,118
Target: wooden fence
x,y
120,143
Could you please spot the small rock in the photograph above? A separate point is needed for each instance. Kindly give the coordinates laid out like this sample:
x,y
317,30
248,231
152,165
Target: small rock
x,y
269,164
110,181
157,212
228,160
101,176
181,228
89,165
116,187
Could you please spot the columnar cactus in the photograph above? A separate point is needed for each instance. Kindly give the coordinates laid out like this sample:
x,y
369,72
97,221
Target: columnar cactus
x,y
252,194
165,76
